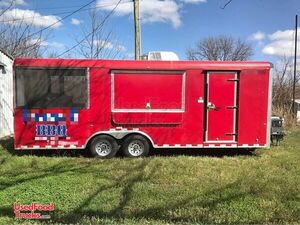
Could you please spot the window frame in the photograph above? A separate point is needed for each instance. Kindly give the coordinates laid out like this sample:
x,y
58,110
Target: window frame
x,y
145,72
87,75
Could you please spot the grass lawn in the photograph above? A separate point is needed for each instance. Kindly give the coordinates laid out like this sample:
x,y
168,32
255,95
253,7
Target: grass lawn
x,y
199,188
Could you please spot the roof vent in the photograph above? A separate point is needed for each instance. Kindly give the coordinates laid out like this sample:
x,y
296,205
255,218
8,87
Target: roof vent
x,y
160,56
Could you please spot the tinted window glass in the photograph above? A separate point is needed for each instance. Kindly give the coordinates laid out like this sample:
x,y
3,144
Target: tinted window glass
x,y
276,123
51,88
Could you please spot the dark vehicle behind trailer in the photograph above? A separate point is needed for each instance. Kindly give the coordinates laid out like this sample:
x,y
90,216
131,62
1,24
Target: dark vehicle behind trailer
x,y
277,132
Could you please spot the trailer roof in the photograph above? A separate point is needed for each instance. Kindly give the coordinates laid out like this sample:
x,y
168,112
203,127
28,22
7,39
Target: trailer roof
x,y
133,64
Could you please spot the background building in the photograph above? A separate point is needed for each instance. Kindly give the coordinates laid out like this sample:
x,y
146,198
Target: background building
x,y
6,94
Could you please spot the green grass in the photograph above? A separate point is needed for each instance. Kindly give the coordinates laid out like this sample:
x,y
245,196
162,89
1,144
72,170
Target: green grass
x,y
263,188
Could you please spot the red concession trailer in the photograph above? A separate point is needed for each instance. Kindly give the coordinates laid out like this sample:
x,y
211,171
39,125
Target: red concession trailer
x,y
107,105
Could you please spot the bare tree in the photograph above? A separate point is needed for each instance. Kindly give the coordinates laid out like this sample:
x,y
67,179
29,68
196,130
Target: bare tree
x,y
52,54
16,36
95,42
220,48
283,85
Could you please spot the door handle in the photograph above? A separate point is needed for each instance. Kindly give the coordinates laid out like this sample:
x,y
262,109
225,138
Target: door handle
x,y
148,105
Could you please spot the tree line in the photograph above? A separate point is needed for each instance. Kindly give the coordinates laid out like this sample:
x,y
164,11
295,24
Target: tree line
x,y
20,38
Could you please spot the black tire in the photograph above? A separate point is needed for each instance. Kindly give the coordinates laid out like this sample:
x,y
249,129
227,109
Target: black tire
x,y
104,147
135,146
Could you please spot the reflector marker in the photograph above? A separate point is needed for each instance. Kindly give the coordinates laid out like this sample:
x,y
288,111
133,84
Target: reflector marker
x,y
72,146
51,147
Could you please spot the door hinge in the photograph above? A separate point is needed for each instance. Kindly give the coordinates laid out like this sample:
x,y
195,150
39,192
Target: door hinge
x,y
231,134
231,107
233,80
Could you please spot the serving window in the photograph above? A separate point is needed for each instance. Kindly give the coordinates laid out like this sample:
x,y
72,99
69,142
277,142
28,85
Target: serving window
x,y
44,88
148,91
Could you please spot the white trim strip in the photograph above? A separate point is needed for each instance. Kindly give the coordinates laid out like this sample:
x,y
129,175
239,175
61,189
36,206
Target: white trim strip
x,y
148,110
268,135
49,147
205,146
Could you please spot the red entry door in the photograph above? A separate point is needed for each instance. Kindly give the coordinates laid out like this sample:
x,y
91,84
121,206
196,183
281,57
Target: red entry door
x,y
221,107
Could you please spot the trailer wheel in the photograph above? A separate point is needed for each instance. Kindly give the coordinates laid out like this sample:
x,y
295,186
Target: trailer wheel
x,y
135,146
104,147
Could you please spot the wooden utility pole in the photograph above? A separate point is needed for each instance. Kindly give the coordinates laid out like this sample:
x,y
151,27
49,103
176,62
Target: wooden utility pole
x,y
295,66
137,30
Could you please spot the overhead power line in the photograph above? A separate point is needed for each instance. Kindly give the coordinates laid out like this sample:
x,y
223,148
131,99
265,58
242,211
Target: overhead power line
x,y
61,13
63,18
74,6
89,34
58,21
226,4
